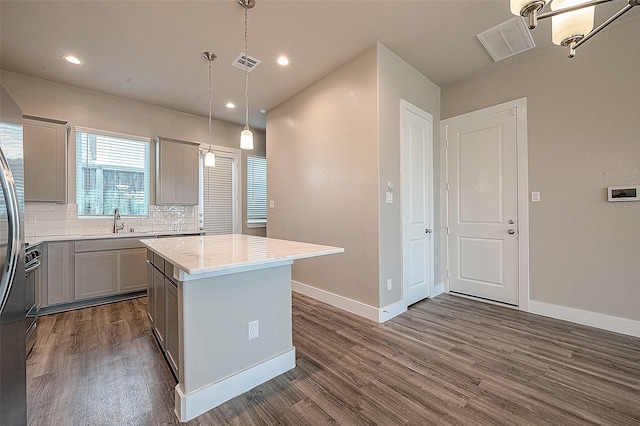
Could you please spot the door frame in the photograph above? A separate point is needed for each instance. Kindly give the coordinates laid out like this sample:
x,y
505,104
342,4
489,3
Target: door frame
x,y
429,196
519,107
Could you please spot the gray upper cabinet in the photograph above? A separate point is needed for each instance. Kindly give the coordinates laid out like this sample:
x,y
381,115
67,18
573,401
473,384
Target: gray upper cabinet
x,y
177,172
45,160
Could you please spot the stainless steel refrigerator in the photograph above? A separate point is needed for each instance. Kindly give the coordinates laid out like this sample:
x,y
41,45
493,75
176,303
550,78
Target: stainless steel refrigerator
x,y
13,393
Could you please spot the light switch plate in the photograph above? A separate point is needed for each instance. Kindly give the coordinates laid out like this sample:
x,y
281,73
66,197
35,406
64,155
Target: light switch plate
x,y
535,197
389,197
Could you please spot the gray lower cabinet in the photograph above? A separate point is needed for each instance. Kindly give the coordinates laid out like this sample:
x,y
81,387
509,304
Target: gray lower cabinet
x,y
172,345
132,270
163,300
57,281
159,320
151,295
96,274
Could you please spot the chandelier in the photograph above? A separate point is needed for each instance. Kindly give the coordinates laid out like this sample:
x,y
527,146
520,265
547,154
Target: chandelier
x,y
572,21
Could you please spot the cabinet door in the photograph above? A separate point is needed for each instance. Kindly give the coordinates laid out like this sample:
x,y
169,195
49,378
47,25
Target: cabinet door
x,y
96,274
167,185
151,299
45,161
172,345
58,281
133,269
177,172
158,290
189,179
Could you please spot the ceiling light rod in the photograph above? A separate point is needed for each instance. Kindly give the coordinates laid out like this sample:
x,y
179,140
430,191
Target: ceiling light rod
x,y
210,157
600,27
246,136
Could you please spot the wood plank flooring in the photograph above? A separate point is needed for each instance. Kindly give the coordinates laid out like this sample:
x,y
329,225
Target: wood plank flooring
x,y
447,361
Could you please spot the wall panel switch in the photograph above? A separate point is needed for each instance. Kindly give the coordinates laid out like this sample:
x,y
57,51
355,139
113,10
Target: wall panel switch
x,y
389,197
535,197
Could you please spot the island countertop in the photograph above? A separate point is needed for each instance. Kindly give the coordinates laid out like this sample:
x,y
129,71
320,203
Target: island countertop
x,y
197,256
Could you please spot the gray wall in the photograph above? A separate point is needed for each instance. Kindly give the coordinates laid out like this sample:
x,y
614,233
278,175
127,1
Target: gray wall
x,y
100,111
322,174
398,80
331,149
584,135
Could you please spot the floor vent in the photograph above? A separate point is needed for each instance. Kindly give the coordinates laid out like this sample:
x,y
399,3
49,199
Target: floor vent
x,y
507,39
240,61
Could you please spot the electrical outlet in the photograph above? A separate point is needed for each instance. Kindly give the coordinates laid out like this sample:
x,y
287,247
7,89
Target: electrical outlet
x,y
253,329
389,285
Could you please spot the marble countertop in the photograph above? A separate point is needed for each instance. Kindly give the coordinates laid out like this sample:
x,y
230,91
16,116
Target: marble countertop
x,y
215,254
38,240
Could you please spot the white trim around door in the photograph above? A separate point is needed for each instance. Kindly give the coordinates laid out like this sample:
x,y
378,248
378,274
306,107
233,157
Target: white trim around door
x,y
519,109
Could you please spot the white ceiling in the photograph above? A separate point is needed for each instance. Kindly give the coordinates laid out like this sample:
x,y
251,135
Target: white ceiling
x,y
151,51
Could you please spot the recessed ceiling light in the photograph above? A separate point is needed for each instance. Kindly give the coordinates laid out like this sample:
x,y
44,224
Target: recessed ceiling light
x,y
230,105
263,111
72,59
282,60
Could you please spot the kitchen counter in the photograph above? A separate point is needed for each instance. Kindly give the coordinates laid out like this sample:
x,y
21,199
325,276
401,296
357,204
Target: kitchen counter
x,y
54,238
234,321
203,256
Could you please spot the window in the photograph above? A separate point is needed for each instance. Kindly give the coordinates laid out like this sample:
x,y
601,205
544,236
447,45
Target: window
x,y
112,171
219,189
256,191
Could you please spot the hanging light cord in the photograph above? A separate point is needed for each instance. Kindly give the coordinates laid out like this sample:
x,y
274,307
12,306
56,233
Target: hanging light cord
x,y
209,104
246,66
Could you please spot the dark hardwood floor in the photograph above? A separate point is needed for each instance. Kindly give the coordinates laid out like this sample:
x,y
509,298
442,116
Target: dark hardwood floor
x,y
446,361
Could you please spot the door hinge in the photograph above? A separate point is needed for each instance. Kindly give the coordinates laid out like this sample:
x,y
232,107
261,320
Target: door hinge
x,y
446,186
448,274
514,111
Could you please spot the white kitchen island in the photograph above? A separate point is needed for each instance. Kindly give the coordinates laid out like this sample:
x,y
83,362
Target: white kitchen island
x,y
224,283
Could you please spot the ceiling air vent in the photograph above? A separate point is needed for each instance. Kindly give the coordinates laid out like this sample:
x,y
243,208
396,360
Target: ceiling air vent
x,y
507,39
240,61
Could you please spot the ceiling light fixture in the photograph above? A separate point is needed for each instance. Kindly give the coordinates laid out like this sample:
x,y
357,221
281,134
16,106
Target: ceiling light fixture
x,y
230,105
282,60
72,59
246,137
571,20
209,157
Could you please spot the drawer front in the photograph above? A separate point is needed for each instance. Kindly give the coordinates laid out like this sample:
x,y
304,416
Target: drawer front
x,y
107,244
158,262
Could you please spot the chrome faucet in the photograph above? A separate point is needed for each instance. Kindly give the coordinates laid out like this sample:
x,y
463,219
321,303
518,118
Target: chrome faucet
x,y
116,218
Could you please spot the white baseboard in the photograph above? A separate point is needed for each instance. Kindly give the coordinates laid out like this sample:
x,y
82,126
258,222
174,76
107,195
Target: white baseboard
x,y
190,406
362,309
437,290
592,319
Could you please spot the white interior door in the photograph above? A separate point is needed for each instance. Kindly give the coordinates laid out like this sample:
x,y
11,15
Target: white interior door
x,y
482,177
417,202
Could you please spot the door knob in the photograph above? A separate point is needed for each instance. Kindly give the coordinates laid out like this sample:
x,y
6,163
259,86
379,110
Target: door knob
x,y
428,231
511,231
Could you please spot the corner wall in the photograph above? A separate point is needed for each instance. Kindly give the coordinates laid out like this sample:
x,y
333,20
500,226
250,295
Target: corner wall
x,y
584,136
399,80
322,175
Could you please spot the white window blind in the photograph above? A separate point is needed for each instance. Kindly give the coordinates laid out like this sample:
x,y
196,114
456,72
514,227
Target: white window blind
x,y
218,198
112,171
256,190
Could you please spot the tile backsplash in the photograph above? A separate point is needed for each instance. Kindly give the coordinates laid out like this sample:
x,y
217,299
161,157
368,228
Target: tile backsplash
x,y
47,219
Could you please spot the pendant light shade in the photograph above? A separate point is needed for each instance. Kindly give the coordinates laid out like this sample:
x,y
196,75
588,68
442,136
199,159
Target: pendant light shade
x,y
571,25
246,139
210,159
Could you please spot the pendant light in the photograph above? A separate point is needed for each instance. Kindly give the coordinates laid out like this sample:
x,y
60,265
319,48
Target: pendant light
x,y
246,137
209,157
